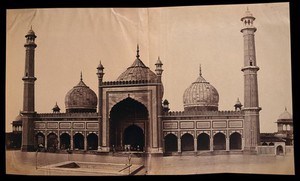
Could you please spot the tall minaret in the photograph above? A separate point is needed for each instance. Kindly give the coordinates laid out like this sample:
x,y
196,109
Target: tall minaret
x,y
100,74
159,97
251,106
28,97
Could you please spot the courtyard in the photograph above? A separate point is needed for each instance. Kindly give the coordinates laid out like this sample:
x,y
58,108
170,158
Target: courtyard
x,y
30,163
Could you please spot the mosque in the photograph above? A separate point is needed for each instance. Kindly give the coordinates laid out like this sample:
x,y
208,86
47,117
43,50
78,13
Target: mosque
x,y
129,114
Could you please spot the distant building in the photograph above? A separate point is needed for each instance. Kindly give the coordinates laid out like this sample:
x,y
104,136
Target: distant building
x,y
279,143
131,114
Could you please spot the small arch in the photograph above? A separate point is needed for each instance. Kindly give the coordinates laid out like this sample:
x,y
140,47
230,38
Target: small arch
x,y
171,143
92,141
40,139
65,141
187,142
279,150
264,144
271,144
52,142
78,141
219,141
235,141
203,142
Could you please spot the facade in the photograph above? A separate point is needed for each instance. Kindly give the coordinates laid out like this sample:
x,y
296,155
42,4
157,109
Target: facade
x,y
131,114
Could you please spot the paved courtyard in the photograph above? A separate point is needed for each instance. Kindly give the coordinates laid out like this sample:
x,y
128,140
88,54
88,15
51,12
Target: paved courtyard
x,y
25,163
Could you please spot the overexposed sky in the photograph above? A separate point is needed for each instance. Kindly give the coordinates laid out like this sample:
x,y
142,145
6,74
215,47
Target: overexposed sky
x,y
73,40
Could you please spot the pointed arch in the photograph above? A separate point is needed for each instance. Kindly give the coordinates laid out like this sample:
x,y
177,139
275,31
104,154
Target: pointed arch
x,y
134,137
128,114
171,143
235,141
187,142
39,139
279,150
203,142
219,141
92,141
78,139
65,141
52,142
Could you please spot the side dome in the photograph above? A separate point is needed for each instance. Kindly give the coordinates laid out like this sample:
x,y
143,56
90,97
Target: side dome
x,y
137,71
81,99
285,116
201,96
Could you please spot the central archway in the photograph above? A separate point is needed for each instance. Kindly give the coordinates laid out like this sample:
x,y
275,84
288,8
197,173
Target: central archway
x,y
128,123
134,137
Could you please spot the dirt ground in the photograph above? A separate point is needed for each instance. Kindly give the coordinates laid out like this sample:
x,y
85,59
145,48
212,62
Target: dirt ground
x,y
29,163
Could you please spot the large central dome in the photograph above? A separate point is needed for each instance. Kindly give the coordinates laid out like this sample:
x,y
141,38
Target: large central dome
x,y
200,96
137,71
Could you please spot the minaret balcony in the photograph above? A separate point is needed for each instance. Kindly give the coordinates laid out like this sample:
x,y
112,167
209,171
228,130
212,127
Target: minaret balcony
x,y
29,78
250,67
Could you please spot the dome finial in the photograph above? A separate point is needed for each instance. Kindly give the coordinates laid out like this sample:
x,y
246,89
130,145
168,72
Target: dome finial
x,y
81,76
285,108
137,51
200,71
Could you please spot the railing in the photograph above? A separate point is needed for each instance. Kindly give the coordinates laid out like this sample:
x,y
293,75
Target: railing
x,y
204,113
67,115
109,83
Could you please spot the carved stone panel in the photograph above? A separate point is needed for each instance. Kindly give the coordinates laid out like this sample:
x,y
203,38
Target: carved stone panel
x,y
78,125
170,125
187,125
40,125
219,124
92,125
203,124
51,125
235,123
65,125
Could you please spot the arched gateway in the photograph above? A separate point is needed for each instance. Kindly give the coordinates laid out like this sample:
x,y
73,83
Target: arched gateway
x,y
128,120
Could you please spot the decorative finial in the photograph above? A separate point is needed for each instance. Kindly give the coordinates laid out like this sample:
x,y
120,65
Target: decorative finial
x,y
137,52
30,27
200,70
81,76
285,108
247,8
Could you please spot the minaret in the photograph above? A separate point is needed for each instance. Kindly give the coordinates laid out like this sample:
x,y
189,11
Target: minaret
x,y
28,97
100,74
159,96
251,106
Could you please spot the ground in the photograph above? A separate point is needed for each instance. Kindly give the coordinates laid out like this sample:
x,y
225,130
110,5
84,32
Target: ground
x,y
25,163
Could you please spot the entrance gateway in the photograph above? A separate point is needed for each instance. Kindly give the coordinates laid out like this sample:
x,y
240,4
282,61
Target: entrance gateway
x,y
128,120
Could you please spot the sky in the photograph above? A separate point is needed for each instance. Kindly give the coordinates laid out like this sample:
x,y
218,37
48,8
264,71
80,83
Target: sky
x,y
74,40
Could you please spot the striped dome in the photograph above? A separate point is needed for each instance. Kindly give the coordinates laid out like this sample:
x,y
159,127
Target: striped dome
x,y
81,99
201,96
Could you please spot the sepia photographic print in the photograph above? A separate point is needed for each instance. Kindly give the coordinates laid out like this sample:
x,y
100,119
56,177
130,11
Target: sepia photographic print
x,y
177,90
